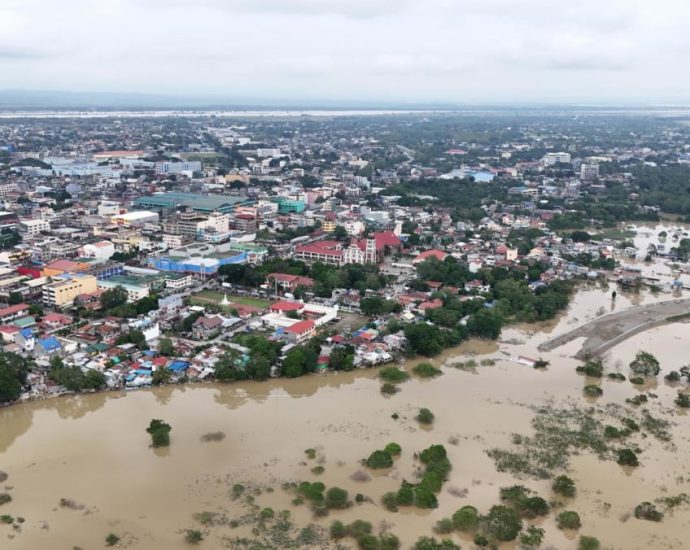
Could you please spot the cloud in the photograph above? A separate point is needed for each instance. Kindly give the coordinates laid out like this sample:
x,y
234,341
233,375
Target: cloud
x,y
449,50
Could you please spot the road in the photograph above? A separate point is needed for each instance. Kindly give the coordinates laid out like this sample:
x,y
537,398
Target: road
x,y
603,333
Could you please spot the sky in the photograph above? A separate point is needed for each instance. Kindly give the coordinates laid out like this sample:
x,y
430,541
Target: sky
x,y
460,51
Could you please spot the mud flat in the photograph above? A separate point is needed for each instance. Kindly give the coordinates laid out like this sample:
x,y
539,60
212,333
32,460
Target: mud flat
x,y
93,450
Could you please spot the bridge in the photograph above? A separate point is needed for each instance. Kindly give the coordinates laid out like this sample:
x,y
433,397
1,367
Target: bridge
x,y
607,331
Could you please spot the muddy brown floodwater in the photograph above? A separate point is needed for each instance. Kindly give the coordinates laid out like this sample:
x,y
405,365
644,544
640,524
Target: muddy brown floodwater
x,y
94,449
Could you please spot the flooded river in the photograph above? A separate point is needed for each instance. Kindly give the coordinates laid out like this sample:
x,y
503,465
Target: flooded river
x,y
94,450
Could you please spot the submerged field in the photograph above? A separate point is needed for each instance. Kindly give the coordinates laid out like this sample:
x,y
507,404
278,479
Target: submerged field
x,y
238,452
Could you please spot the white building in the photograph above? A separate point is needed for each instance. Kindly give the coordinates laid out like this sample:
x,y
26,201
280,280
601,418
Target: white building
x,y
555,158
31,228
589,172
101,250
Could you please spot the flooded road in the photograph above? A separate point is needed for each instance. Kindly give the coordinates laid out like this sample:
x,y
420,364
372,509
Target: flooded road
x,y
94,450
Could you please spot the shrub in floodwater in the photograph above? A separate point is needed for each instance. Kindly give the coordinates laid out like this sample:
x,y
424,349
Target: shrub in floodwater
x,y
338,530
480,540
592,390
390,502
430,543
389,389
112,539
524,502
613,433
5,498
502,523
394,375
466,518
393,449
379,460
337,498
593,368
311,453
426,370
313,492
267,513
645,364
193,536
564,486
648,511
532,537
683,400
568,520
637,380
318,470
637,400
6,519
616,376
627,457
673,376
444,526
359,498
630,425
405,495
160,433
589,543
425,416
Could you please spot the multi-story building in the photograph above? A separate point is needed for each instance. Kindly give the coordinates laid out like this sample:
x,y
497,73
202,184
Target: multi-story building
x,y
550,159
168,167
31,228
589,172
66,288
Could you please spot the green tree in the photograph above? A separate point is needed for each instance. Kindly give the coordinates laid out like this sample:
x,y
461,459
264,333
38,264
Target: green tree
x,y
114,297
165,347
502,523
160,433
161,376
15,298
485,324
10,384
645,364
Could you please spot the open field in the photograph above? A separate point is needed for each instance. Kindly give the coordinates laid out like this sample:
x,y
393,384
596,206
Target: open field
x,y
213,297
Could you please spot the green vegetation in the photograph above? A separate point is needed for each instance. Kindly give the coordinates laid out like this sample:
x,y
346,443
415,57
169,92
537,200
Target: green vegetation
x,y
5,498
648,511
588,543
592,390
379,460
430,543
74,379
627,457
645,364
389,389
336,499
683,400
564,486
524,501
311,453
426,370
112,539
593,368
160,433
425,416
362,532
423,494
13,372
568,520
466,519
393,449
193,536
502,523
393,375
532,537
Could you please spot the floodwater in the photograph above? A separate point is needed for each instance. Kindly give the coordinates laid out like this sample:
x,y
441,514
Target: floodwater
x,y
94,449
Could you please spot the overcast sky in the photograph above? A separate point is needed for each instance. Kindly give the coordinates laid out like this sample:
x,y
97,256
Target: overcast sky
x,y
373,50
